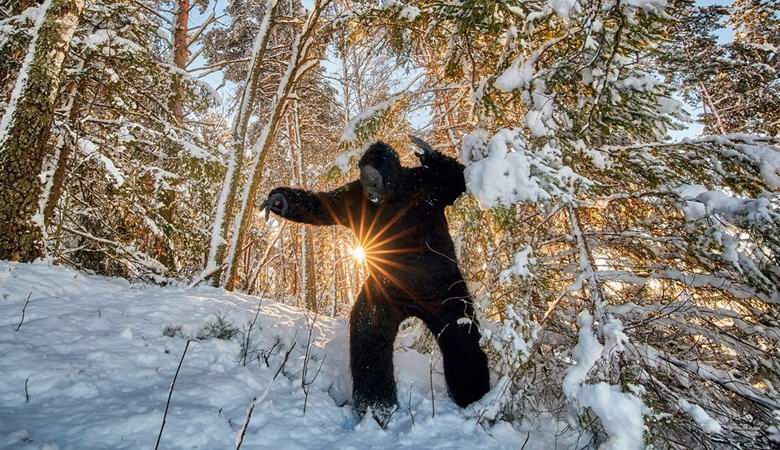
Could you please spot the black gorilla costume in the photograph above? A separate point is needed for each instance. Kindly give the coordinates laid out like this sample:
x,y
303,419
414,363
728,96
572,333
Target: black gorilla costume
x,y
397,213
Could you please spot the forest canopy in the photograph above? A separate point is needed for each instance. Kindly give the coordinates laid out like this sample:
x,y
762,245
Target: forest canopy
x,y
621,228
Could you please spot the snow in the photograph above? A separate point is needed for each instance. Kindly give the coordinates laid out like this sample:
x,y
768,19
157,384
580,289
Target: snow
x,y
518,76
670,106
409,13
655,6
615,339
110,43
599,158
704,420
503,177
520,267
343,160
699,202
563,8
98,356
620,413
767,47
350,133
767,158
642,83
90,149
586,353
502,170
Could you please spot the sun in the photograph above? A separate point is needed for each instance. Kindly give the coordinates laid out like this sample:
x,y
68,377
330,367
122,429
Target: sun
x,y
359,253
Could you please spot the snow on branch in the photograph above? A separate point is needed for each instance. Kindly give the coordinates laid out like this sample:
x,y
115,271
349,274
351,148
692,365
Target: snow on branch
x,y
503,170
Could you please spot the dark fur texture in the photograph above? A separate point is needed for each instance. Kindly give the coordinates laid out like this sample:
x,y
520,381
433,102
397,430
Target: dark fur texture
x,y
412,267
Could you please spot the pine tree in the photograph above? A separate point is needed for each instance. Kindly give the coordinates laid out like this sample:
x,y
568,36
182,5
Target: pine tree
x,y
738,86
127,188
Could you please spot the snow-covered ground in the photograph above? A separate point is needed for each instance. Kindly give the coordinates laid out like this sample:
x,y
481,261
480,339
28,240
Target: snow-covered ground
x,y
92,363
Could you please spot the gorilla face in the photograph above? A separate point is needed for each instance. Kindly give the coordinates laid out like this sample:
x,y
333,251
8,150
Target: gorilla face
x,y
380,173
372,184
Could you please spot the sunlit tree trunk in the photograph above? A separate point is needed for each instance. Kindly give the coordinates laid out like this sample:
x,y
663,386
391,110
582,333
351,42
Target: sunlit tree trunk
x,y
334,273
25,129
307,272
227,198
180,57
300,62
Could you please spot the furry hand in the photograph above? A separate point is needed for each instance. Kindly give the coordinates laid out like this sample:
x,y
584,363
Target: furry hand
x,y
424,151
275,202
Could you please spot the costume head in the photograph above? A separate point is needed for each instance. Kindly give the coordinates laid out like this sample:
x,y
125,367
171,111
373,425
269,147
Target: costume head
x,y
380,173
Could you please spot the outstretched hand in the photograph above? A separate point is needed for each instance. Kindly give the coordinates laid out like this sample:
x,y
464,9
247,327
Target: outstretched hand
x,y
275,202
424,151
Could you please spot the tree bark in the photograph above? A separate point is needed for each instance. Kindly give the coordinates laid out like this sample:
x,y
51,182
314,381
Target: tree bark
x,y
307,277
168,197
228,194
180,57
298,65
66,148
25,130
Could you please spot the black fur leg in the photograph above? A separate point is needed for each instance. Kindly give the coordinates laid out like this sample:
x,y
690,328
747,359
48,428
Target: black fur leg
x,y
465,364
373,326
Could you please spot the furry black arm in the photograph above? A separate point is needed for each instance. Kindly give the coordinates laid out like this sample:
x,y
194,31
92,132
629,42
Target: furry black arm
x,y
444,173
314,208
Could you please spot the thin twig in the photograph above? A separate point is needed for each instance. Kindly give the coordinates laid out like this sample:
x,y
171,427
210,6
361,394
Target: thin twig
x,y
528,436
269,353
246,424
411,413
306,359
24,309
255,400
430,376
170,393
284,362
248,333
26,392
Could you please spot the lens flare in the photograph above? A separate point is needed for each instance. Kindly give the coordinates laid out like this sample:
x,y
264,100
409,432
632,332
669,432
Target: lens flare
x,y
359,253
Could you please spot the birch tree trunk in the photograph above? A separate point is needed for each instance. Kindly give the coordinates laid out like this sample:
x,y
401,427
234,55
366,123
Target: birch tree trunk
x,y
227,197
25,128
307,271
299,63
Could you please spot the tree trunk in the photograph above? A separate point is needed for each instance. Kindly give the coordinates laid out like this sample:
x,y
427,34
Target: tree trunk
x,y
66,146
228,194
308,284
335,272
298,65
180,57
168,197
25,129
